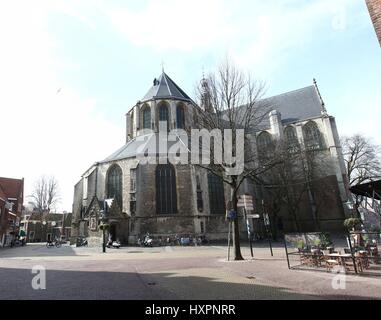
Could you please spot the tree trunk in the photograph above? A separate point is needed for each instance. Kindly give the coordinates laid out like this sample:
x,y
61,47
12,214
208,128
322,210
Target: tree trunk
x,y
236,240
293,214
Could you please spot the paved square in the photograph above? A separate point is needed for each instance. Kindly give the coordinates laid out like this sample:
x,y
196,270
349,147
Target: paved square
x,y
168,273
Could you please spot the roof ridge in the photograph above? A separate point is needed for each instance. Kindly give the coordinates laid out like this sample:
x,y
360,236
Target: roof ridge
x,y
165,78
288,92
11,178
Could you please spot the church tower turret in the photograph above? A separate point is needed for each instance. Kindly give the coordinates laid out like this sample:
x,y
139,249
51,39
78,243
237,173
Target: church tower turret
x,y
206,102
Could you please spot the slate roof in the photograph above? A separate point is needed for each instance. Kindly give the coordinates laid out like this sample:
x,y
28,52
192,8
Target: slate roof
x,y
294,106
297,105
138,145
165,88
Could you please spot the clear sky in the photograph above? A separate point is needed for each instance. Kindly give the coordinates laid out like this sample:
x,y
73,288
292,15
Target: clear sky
x,y
70,70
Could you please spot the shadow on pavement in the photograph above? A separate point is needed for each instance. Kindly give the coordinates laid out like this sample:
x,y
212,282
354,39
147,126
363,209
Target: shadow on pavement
x,y
63,284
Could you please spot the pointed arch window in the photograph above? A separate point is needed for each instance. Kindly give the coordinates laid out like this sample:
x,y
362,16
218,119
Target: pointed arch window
x,y
291,138
147,118
216,194
114,184
164,114
166,197
200,202
180,117
264,143
312,136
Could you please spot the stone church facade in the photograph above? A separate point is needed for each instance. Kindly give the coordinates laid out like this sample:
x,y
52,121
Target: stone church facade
x,y
166,199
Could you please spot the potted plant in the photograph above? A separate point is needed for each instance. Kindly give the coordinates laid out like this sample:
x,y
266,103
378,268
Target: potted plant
x,y
325,241
300,244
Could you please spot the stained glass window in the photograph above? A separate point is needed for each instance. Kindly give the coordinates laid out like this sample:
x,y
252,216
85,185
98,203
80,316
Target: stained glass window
x,y
146,118
216,194
114,184
166,197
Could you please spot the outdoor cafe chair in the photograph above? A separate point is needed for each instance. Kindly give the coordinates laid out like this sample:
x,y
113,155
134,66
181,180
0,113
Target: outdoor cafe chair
x,y
362,256
331,263
350,266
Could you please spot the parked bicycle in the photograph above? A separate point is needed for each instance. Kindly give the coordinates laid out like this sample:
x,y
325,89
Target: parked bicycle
x,y
56,243
81,242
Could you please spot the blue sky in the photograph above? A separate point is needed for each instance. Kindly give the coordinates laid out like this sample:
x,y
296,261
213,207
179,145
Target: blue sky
x,y
70,70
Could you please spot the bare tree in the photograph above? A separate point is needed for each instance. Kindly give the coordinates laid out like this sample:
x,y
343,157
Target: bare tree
x,y
45,195
295,179
230,99
362,158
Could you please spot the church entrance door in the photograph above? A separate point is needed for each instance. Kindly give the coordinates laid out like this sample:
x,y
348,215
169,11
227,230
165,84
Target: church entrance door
x,y
113,232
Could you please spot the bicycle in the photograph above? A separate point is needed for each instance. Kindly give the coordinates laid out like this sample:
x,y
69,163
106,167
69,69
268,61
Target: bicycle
x,y
55,243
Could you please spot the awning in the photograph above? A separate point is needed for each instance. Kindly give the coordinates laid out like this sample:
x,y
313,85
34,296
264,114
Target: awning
x,y
370,189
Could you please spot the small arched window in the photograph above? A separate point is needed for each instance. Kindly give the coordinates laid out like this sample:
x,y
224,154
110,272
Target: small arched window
x,y
216,194
312,136
114,184
291,137
166,197
180,117
147,118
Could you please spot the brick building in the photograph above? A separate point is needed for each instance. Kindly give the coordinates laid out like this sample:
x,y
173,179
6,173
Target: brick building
x,y
42,227
374,7
11,206
166,199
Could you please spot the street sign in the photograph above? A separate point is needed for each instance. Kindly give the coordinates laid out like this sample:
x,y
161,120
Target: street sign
x,y
245,201
232,215
253,216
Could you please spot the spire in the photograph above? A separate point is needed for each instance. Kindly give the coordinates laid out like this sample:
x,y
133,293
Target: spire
x,y
205,94
323,109
162,66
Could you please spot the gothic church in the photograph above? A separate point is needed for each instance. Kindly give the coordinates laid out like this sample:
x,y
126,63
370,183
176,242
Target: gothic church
x,y
166,199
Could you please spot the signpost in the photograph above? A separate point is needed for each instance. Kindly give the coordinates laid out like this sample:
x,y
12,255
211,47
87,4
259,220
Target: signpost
x,y
266,221
231,215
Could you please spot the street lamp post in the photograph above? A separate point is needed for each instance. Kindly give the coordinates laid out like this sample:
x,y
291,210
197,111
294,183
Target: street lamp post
x,y
103,227
53,226
44,229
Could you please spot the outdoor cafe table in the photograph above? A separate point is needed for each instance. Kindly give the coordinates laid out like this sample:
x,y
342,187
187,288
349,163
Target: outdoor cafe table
x,y
342,257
